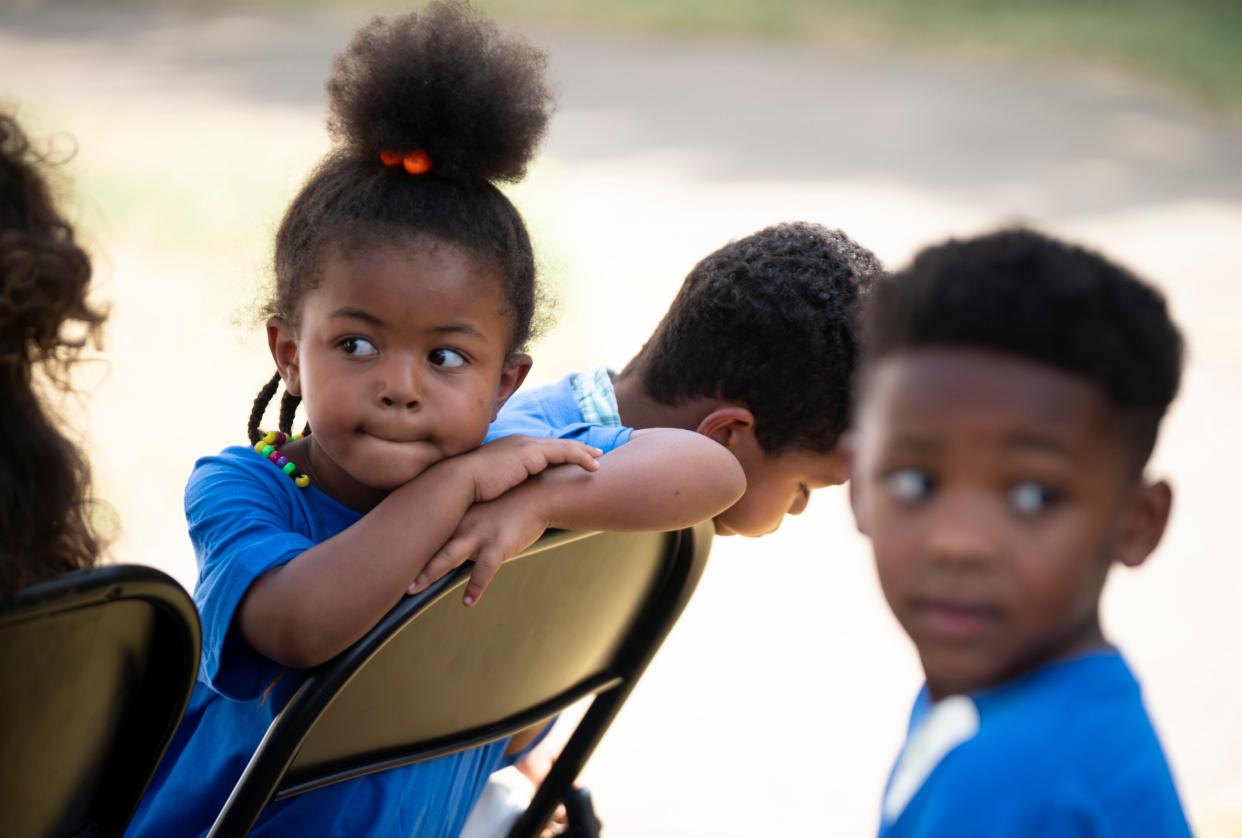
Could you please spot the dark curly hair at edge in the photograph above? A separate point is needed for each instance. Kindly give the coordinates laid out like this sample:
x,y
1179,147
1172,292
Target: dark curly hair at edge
x,y
45,527
443,81
1020,292
769,321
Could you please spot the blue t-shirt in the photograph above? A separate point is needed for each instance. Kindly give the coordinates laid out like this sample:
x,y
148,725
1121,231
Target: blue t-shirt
x,y
581,406
247,517
1067,750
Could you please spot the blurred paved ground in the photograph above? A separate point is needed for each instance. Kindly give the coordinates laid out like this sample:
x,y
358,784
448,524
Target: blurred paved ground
x,y
777,704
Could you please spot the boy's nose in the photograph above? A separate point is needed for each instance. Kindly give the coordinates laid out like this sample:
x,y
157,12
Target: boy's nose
x,y
958,535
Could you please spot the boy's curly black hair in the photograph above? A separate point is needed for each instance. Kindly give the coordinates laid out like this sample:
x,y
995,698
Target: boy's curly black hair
x,y
769,321
1020,292
446,82
45,526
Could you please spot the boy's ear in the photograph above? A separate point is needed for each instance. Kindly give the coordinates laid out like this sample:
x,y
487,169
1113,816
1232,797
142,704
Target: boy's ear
x,y
514,373
1145,523
283,343
730,426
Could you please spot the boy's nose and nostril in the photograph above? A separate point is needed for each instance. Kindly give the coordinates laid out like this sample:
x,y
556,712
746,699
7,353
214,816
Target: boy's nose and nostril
x,y
960,535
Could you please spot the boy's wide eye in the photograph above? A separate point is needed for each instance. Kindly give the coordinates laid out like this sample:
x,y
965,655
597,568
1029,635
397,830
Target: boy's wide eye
x,y
909,485
358,347
1031,498
447,358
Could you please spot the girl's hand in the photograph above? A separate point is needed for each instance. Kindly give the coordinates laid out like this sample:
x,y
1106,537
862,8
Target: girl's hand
x,y
490,533
502,464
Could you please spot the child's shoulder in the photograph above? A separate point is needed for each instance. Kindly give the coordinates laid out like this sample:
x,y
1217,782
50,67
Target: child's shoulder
x,y
1070,744
233,468
580,406
240,480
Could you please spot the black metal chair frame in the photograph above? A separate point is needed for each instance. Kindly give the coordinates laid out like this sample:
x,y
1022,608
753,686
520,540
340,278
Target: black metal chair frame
x,y
268,776
140,628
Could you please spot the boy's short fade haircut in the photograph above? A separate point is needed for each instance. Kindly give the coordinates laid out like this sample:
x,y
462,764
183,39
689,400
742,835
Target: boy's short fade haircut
x,y
1020,292
769,321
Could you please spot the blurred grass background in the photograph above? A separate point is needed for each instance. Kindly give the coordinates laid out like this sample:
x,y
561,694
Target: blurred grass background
x,y
1194,46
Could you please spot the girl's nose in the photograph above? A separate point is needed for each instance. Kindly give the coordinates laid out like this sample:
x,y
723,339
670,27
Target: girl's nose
x,y
400,387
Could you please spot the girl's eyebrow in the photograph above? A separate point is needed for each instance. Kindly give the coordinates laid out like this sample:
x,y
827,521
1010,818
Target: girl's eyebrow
x,y
358,314
458,328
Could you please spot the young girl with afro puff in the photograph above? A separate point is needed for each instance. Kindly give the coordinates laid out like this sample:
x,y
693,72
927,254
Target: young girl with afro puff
x,y
405,292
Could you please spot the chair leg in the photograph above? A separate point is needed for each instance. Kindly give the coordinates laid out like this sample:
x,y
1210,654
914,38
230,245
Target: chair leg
x,y
582,820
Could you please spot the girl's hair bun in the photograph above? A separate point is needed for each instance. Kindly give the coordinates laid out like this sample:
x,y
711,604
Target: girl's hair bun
x,y
446,81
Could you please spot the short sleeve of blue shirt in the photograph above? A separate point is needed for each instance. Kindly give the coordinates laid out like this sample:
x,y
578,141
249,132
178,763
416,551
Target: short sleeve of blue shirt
x,y
246,518
551,412
1066,750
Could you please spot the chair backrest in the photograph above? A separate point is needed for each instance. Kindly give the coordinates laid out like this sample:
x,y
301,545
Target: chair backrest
x,y
97,667
575,615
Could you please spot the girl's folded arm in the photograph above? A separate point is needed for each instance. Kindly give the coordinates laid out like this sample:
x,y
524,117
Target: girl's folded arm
x,y
306,611
315,606
662,479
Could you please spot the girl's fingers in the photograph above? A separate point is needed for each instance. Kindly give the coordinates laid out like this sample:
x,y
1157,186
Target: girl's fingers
x,y
567,451
485,566
457,552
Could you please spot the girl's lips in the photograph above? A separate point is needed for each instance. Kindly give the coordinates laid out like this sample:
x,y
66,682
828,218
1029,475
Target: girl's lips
x,y
955,621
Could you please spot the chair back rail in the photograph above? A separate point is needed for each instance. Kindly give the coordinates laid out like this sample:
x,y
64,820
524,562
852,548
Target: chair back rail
x,y
575,615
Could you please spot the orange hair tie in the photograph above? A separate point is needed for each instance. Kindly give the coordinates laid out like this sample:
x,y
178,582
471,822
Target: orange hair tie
x,y
417,162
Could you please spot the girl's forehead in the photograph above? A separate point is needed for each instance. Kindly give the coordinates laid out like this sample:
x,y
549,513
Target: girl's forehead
x,y
409,290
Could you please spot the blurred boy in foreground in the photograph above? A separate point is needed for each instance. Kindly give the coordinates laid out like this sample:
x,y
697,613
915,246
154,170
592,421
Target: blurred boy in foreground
x,y
1010,399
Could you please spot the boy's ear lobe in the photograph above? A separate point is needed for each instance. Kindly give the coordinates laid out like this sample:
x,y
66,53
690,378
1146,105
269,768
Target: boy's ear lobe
x,y
728,425
514,373
283,343
1145,523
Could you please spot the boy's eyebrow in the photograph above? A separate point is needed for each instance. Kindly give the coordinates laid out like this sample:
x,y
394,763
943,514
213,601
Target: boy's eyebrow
x,y
1033,441
358,314
916,442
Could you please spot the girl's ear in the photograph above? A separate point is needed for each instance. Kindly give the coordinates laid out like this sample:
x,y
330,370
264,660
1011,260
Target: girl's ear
x,y
514,373
731,426
283,343
1145,523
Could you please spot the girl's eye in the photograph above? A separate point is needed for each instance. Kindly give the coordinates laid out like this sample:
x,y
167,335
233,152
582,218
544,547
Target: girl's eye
x,y
909,485
447,358
358,347
1031,498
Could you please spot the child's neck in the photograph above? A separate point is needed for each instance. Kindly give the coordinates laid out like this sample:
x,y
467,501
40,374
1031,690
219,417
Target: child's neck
x,y
639,410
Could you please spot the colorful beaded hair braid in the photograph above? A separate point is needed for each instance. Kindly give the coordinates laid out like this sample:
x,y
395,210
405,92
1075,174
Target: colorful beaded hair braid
x,y
269,446
267,443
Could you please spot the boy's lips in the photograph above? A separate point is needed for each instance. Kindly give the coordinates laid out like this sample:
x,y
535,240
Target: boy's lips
x,y
954,621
